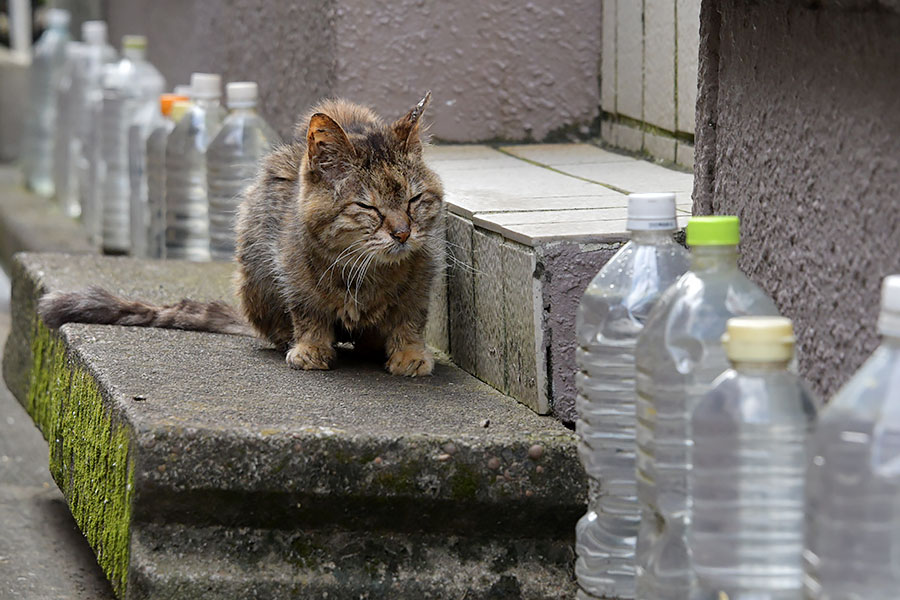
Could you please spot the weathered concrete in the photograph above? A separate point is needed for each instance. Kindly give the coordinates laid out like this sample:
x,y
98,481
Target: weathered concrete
x,y
204,467
497,69
31,223
800,136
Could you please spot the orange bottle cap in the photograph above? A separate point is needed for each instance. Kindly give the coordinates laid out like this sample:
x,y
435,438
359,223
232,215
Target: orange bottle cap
x,y
167,101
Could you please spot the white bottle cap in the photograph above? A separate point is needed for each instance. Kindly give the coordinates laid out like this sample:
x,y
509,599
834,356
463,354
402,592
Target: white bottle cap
x,y
889,319
206,86
57,17
759,339
182,90
241,94
651,212
94,32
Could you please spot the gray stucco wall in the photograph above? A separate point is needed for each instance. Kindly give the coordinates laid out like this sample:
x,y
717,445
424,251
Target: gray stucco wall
x,y
799,134
498,69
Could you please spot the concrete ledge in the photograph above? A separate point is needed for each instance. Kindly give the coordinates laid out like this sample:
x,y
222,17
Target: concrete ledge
x,y
198,465
30,223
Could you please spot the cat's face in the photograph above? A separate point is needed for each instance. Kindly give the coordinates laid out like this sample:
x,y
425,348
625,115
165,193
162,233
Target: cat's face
x,y
368,192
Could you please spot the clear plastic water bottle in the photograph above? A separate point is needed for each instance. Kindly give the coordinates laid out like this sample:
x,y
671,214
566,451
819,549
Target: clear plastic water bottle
x,y
47,66
678,355
131,88
65,143
853,482
231,161
611,315
146,174
748,463
187,208
87,113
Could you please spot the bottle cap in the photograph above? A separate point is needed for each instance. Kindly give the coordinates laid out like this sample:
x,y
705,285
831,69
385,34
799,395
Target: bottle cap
x,y
206,86
134,42
759,339
651,212
713,231
94,32
166,101
889,319
57,17
179,109
240,94
183,90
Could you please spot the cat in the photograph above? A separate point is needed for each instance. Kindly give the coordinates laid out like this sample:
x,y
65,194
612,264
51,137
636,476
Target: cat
x,y
339,238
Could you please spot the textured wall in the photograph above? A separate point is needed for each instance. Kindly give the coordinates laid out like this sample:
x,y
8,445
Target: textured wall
x,y
498,68
803,143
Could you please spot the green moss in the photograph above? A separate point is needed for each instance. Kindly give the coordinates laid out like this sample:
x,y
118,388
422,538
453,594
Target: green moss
x,y
464,482
89,456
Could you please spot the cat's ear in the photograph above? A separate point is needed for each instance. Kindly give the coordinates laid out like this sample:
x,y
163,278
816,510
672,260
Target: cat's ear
x,y
329,149
407,128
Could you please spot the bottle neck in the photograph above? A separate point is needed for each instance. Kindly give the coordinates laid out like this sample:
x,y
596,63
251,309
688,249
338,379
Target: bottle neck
x,y
652,237
206,103
242,110
759,368
713,258
134,54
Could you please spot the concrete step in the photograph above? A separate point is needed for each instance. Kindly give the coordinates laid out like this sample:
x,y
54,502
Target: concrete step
x,y
528,228
205,453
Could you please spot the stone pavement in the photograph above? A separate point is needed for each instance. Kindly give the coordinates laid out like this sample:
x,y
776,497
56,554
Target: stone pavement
x,y
43,555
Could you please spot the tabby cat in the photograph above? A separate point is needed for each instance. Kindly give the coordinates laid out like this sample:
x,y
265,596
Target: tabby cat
x,y
339,239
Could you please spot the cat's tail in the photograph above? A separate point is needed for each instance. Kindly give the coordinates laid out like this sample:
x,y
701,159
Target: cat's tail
x,y
96,305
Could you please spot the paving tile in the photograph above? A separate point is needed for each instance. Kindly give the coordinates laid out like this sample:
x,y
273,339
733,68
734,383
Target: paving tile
x,y
490,344
566,154
628,138
497,161
608,231
684,155
688,28
659,65
629,58
607,133
472,204
608,58
461,292
659,146
523,310
451,152
489,220
637,176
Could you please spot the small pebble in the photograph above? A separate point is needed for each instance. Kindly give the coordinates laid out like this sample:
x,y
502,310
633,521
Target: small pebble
x,y
443,457
161,468
535,452
139,398
539,469
529,493
493,463
450,448
486,423
378,460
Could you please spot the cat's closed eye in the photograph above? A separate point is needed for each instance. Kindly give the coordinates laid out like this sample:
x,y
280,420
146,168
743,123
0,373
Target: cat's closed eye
x,y
366,206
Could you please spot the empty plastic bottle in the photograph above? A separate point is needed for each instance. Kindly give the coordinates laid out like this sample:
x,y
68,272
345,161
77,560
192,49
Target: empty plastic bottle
x,y
853,483
612,312
187,208
678,355
97,53
147,176
231,161
47,66
65,143
748,464
131,88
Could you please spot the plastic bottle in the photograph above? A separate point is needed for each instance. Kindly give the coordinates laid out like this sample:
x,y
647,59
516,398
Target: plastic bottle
x,y
853,482
678,355
232,160
131,88
47,66
612,312
97,54
748,463
65,143
187,214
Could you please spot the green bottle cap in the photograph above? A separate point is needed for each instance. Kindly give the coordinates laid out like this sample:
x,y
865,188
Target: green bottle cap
x,y
713,231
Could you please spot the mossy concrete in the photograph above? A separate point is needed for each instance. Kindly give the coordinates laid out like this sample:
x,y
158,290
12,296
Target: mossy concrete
x,y
351,481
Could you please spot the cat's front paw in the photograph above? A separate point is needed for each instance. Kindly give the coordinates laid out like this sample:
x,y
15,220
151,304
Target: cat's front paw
x,y
410,361
309,357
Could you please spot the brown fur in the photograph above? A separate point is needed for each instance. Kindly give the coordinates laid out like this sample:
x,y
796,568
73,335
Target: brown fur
x,y
329,248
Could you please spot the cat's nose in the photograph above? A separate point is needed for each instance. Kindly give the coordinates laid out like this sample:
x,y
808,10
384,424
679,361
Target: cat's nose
x,y
401,235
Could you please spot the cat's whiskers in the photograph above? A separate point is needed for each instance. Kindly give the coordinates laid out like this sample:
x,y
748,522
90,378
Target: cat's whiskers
x,y
361,278
448,254
353,269
349,249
